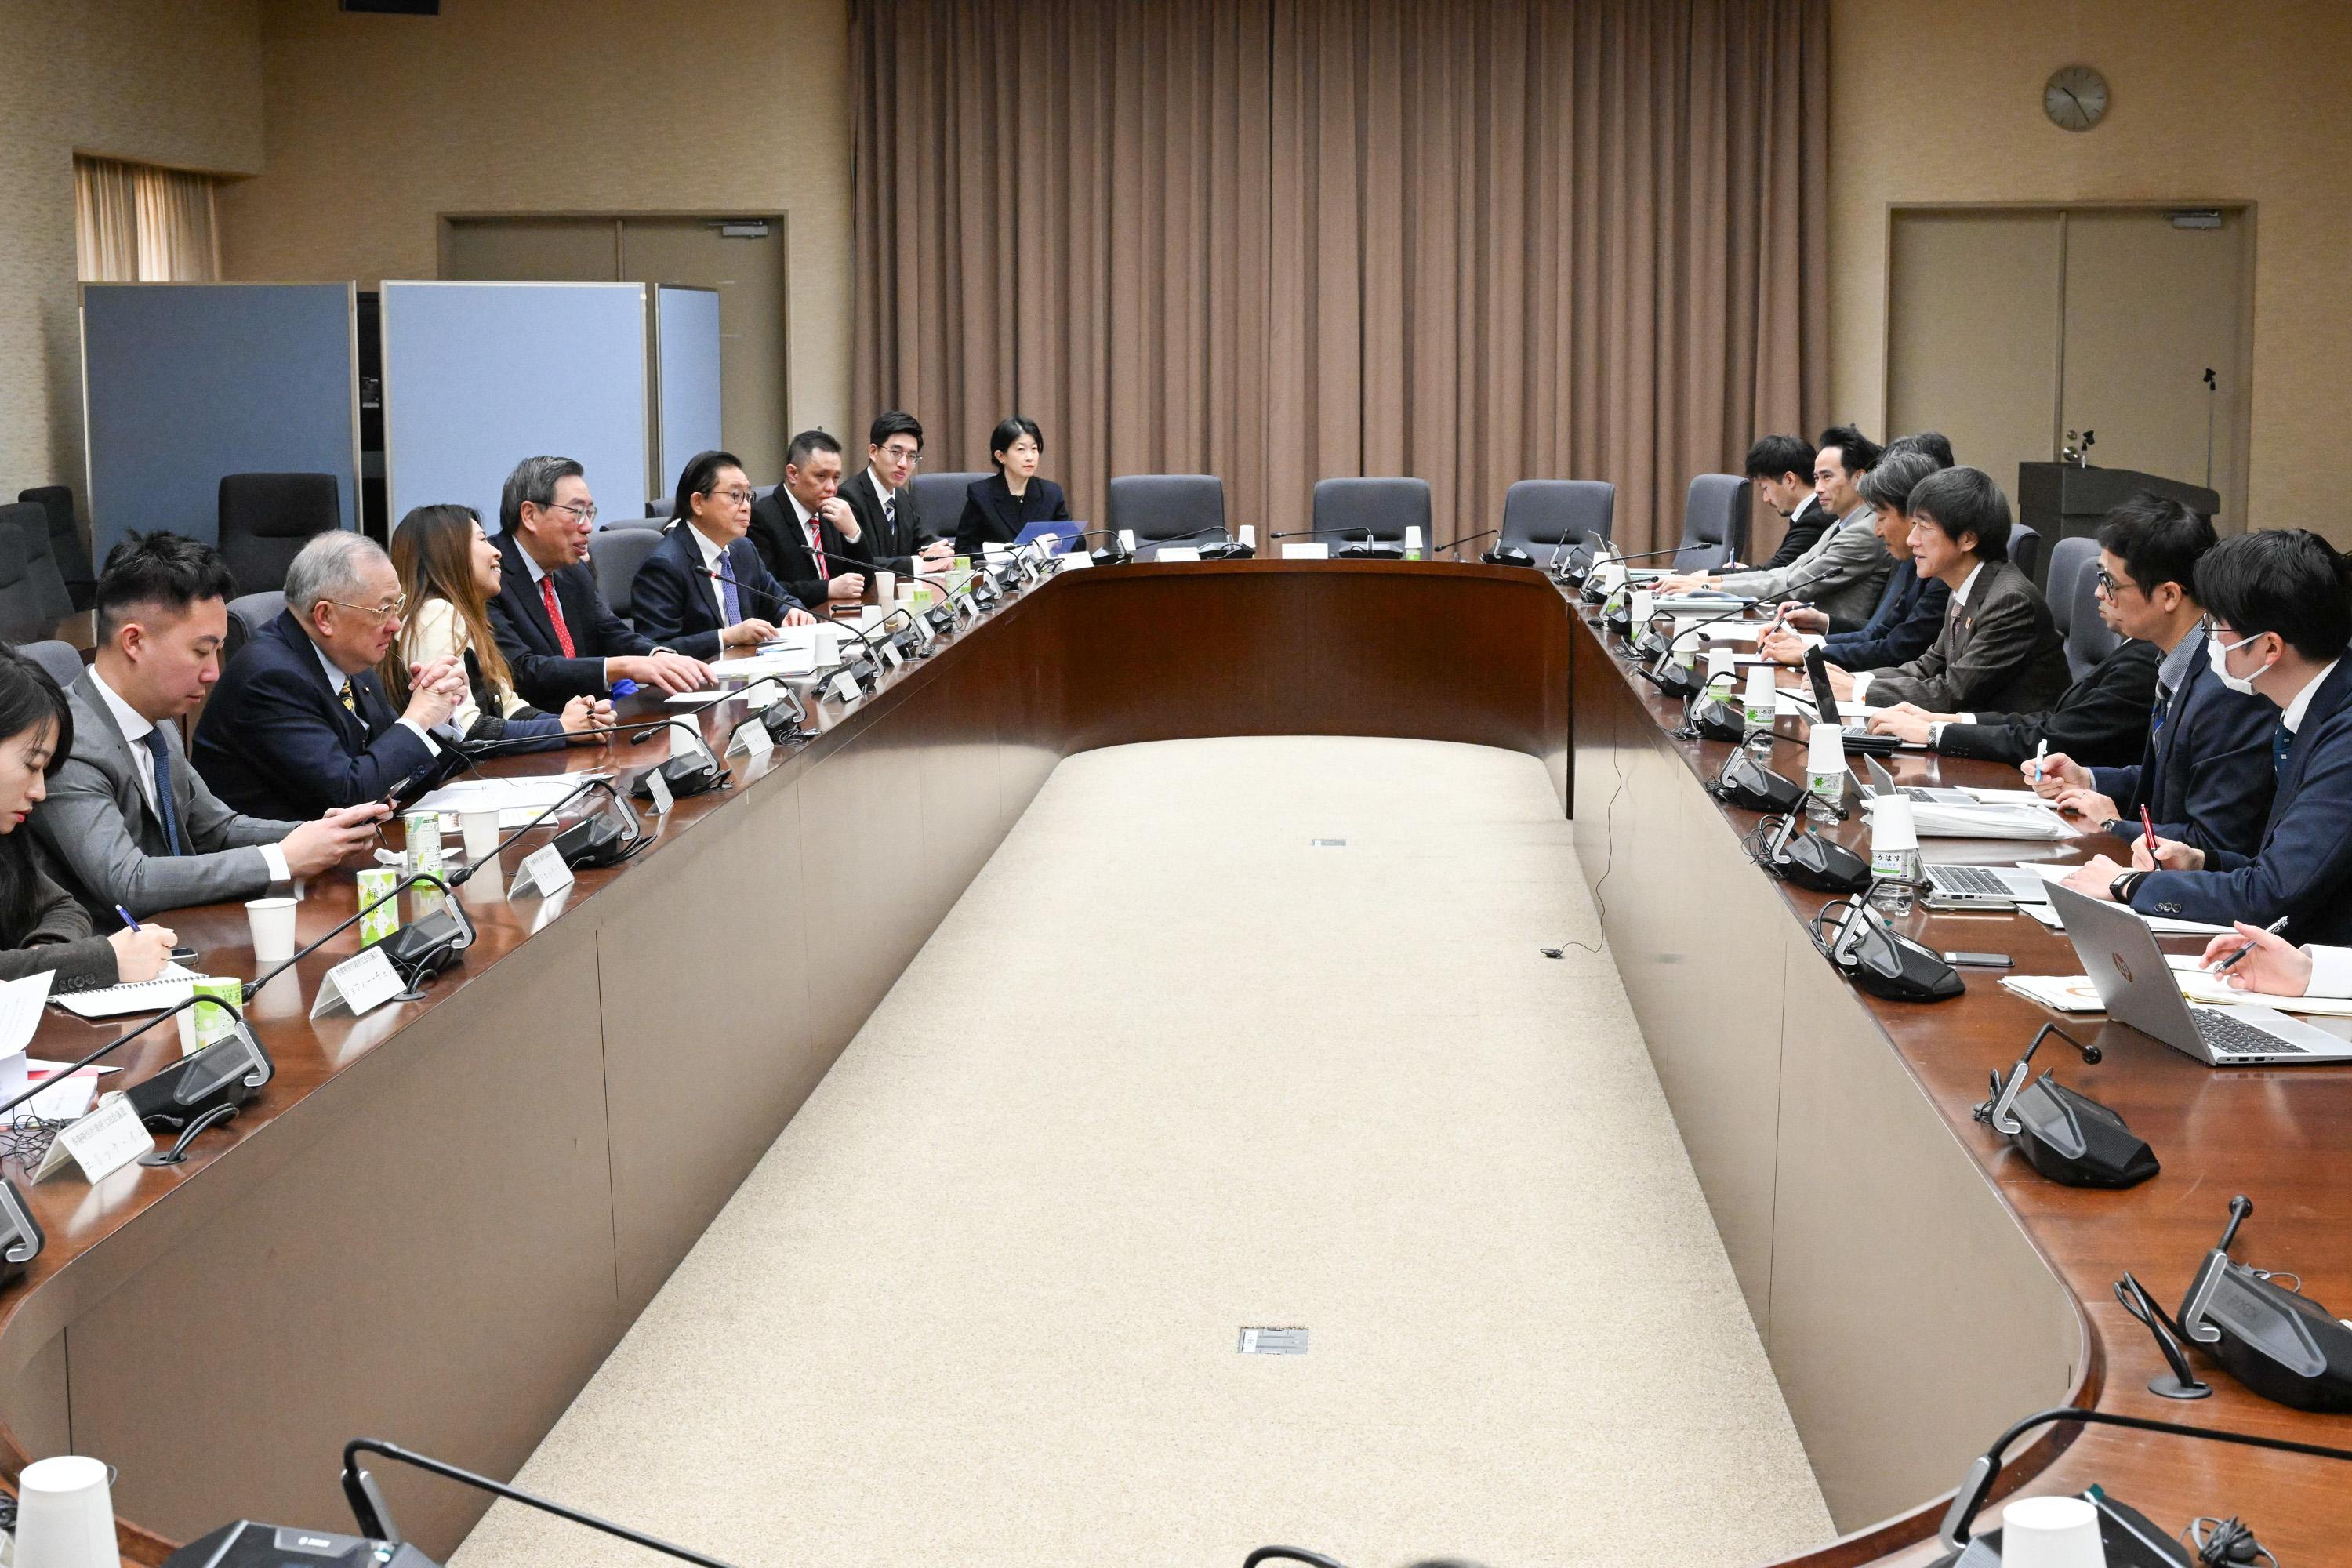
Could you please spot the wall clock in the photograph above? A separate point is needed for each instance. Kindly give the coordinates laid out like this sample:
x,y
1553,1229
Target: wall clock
x,y
2075,97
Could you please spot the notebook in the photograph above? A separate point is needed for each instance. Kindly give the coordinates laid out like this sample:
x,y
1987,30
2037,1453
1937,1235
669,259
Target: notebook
x,y
168,989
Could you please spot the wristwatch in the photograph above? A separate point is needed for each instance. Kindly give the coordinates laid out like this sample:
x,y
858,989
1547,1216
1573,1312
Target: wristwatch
x,y
2121,889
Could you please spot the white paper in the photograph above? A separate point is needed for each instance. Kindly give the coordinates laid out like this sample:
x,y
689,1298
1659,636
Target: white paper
x,y
359,984
1318,551
66,1097
101,1142
543,872
20,1010
533,792
1177,553
752,739
2162,925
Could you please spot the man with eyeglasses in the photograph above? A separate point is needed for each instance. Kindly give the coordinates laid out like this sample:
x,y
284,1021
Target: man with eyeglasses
x,y
2278,608
560,637
299,724
891,528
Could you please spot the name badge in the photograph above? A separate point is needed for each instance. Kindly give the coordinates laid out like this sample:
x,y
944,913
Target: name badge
x,y
542,872
360,984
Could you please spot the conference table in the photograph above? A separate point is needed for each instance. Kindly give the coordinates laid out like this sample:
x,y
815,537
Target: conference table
x,y
436,1220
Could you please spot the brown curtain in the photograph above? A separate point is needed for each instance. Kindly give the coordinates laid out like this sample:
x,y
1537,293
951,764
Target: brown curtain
x,y
1281,241
136,224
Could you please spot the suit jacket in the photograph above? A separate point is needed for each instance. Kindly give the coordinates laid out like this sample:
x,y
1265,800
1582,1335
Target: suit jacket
x,y
107,846
276,742
2101,719
2000,651
890,545
783,546
1806,526
993,514
2205,774
1842,574
61,939
544,676
1910,615
676,603
2302,867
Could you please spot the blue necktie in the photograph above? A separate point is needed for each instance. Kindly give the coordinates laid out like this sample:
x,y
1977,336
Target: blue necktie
x,y
730,605
153,740
2281,739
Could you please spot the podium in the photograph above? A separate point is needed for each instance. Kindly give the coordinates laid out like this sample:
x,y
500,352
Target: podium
x,y
2062,501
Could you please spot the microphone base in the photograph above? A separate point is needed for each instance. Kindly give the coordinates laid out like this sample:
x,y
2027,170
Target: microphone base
x,y
1232,550
20,1235
230,1071
1378,549
1507,555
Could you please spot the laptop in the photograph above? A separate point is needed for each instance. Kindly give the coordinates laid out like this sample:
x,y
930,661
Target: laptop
x,y
1826,708
2120,955
1062,533
1882,784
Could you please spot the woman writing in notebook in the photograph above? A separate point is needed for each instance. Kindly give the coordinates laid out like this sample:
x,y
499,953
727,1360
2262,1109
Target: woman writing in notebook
x,y
41,925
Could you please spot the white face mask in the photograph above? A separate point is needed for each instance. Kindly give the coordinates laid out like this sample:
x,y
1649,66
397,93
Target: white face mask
x,y
2218,657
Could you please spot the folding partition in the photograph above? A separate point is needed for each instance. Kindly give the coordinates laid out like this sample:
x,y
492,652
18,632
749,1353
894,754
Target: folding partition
x,y
686,378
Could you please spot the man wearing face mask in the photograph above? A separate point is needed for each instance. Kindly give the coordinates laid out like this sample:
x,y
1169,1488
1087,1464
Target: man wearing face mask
x,y
2279,615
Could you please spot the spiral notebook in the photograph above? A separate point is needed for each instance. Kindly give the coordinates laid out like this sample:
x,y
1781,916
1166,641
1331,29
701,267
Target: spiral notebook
x,y
166,990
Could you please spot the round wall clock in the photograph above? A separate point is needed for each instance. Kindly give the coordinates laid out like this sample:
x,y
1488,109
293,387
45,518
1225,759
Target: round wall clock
x,y
2075,97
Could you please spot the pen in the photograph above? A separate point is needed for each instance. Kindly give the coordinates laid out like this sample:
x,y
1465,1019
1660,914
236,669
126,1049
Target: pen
x,y
2272,929
126,916
2149,827
2041,750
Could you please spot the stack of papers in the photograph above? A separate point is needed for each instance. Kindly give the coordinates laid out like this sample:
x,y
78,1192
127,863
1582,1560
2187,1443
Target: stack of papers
x,y
2036,821
516,800
2075,993
2162,925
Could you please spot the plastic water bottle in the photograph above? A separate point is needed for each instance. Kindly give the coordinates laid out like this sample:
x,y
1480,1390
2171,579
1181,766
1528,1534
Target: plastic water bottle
x,y
1895,873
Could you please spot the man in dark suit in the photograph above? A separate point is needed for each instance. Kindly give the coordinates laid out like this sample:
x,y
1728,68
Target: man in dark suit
x,y
2203,770
1782,469
1998,647
299,724
705,588
2279,615
811,540
559,635
891,531
127,822
1911,608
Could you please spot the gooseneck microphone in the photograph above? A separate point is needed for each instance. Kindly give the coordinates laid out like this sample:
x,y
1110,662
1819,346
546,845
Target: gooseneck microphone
x,y
1227,547
639,737
1455,548
375,1518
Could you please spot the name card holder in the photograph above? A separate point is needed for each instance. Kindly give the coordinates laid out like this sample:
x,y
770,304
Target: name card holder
x,y
1178,552
657,788
752,738
543,871
1318,551
364,983
843,689
101,1142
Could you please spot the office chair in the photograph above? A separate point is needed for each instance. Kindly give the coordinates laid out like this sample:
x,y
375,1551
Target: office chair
x,y
247,614
1383,507
66,546
61,660
24,608
1715,513
266,519
2025,548
2075,604
1166,506
617,555
30,520
1538,515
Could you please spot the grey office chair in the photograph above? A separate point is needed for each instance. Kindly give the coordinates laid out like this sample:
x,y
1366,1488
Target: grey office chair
x,y
2075,604
247,614
2025,548
60,658
939,500
1714,523
617,553
659,510
1384,508
66,546
30,521
266,519
761,492
1189,507
1540,516
656,524
24,616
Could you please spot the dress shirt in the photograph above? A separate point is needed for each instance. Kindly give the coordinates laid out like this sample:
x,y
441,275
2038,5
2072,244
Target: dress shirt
x,y
2293,717
335,682
812,534
136,726
2173,668
713,554
1959,603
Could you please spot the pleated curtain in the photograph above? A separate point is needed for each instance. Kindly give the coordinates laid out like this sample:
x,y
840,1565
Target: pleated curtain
x,y
1282,240
137,224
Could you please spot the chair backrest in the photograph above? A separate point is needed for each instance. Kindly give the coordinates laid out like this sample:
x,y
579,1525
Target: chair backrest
x,y
658,509
656,524
1166,506
1386,506
61,660
617,553
247,614
1714,523
1542,513
21,613
2025,547
66,546
266,519
2075,603
938,498
31,520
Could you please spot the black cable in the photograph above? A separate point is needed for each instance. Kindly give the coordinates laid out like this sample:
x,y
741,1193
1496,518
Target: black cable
x,y
2226,1543
1608,864
1290,1554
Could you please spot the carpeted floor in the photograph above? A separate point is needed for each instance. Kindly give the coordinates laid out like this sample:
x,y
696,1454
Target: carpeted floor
x,y
1169,1071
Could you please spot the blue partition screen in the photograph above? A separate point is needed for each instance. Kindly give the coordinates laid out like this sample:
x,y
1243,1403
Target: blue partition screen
x,y
687,338
478,376
183,382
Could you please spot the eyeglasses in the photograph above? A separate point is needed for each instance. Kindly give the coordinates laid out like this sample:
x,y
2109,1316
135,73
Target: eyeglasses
x,y
386,611
900,454
732,498
2109,583
584,513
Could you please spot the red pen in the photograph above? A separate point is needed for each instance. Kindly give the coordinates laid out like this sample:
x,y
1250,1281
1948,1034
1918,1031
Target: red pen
x,y
2147,827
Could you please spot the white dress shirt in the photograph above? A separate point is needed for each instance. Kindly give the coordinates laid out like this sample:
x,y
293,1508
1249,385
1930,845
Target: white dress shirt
x,y
2293,717
136,727
1959,603
335,680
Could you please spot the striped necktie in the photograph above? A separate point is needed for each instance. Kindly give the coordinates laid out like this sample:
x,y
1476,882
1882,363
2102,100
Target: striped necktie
x,y
2282,739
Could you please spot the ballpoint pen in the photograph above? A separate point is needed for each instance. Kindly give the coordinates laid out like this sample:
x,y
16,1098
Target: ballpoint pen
x,y
2041,751
2230,962
2149,827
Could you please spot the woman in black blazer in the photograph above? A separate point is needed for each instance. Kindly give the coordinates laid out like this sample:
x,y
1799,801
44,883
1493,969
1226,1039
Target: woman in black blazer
x,y
996,509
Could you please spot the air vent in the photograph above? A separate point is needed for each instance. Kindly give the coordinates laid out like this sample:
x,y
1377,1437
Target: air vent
x,y
2195,218
1274,1342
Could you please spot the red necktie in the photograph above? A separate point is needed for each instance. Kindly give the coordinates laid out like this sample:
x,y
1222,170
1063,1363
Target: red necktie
x,y
816,547
555,614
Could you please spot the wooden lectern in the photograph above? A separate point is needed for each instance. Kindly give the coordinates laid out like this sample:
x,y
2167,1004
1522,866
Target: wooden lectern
x,y
2062,501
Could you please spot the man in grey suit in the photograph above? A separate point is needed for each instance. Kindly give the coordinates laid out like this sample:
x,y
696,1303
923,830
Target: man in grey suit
x,y
1843,571
126,821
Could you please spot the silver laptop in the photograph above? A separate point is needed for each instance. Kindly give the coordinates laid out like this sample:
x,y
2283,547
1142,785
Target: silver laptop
x,y
1999,887
2120,955
1882,784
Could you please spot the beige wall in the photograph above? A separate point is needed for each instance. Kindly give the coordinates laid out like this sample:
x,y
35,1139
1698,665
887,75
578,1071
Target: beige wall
x,y
1939,101
158,81
377,125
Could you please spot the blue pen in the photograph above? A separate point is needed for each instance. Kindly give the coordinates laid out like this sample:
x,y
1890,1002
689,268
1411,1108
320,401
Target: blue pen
x,y
625,688
126,916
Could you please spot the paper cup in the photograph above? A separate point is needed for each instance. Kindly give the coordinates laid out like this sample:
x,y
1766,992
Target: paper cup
x,y
828,646
2051,1532
481,831
1892,826
272,922
885,588
64,1514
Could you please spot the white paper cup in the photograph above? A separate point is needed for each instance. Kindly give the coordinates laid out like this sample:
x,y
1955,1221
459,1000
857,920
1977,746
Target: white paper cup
x,y
64,1514
272,922
885,588
1892,826
481,831
2051,1532
828,646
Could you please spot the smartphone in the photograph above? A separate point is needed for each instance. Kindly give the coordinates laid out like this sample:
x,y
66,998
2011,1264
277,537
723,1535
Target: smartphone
x,y
183,955
1980,959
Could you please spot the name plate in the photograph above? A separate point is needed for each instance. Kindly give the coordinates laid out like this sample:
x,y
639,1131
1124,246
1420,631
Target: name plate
x,y
1177,553
843,689
658,788
101,1142
542,872
752,739
1315,551
362,984
891,656
925,632
1075,561
967,607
